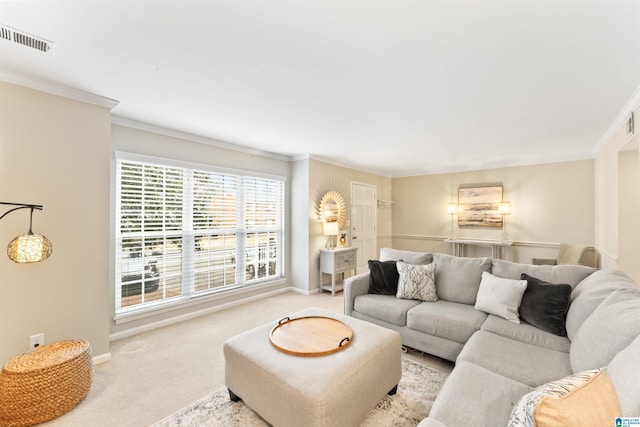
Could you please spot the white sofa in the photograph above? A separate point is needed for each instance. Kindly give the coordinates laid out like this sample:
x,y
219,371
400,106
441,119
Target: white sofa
x,y
500,364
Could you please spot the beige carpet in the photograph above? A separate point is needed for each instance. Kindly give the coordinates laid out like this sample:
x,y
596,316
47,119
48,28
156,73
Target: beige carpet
x,y
156,373
416,392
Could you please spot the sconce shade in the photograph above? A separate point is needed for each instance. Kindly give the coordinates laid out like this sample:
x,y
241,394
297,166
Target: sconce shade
x,y
28,248
330,228
504,208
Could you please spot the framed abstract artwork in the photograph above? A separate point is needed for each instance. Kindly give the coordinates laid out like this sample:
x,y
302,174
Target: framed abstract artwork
x,y
478,206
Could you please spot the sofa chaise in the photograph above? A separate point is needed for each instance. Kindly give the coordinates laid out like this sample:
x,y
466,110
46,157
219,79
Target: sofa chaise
x,y
533,345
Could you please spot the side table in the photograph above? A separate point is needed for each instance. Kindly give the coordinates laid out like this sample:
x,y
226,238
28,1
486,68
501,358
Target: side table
x,y
336,261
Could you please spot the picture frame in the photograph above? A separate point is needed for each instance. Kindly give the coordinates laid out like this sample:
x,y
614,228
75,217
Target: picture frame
x,y
478,206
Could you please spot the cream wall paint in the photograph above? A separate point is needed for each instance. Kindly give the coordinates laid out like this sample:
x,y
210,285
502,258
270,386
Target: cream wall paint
x,y
324,177
629,213
55,151
301,205
550,204
610,198
138,141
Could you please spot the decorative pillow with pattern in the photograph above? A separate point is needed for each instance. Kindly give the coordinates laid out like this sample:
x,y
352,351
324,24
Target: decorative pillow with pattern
x,y
585,398
416,281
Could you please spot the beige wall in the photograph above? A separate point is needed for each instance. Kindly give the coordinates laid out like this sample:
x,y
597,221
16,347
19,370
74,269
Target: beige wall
x,y
132,140
550,204
617,195
323,177
55,152
629,213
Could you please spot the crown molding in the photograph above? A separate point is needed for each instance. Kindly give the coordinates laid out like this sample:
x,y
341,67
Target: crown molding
x,y
59,90
148,127
621,119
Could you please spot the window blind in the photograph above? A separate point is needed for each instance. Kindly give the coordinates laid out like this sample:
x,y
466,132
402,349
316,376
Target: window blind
x,y
183,232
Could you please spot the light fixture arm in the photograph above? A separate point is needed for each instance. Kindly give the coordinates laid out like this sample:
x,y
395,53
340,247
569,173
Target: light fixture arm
x,y
20,206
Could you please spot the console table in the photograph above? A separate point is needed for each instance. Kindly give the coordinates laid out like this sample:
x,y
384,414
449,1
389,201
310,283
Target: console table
x,y
335,261
497,246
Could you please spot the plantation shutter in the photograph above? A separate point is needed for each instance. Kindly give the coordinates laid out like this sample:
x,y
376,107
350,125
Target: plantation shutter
x,y
149,233
183,232
263,218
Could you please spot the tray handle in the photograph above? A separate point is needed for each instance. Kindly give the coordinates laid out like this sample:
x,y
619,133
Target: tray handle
x,y
343,340
284,320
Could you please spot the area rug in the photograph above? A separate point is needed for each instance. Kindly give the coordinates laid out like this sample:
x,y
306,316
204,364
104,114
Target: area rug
x,y
416,392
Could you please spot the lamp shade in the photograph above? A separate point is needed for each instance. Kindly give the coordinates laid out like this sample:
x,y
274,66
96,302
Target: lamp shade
x,y
28,248
504,208
452,208
330,228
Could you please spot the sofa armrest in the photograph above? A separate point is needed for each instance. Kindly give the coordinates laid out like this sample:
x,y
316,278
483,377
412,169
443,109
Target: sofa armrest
x,y
354,286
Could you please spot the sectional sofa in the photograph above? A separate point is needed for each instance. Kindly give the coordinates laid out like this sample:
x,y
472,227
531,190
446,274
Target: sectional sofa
x,y
533,345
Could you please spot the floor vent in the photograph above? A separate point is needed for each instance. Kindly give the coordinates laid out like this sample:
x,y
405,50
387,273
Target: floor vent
x,y
25,39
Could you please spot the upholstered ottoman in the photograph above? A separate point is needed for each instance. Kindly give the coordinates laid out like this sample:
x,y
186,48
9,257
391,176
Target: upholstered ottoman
x,y
337,389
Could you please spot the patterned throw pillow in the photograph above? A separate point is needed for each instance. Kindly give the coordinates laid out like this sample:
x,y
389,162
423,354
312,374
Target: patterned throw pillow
x,y
585,398
416,281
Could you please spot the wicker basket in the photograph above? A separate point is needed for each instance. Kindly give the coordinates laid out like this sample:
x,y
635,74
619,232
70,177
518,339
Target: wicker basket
x,y
44,383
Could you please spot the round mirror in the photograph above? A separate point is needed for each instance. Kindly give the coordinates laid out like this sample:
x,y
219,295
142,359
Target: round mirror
x,y
332,208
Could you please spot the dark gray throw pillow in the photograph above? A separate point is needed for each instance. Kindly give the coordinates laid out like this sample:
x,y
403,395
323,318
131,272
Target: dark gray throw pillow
x,y
383,278
545,305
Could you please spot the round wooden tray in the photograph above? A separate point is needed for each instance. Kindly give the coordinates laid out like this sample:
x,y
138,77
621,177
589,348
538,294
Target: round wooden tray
x,y
310,335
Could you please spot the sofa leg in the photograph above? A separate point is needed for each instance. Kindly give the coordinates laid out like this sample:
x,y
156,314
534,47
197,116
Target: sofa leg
x,y
393,391
234,397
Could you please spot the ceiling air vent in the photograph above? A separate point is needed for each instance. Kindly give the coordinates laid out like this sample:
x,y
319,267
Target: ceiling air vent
x,y
25,39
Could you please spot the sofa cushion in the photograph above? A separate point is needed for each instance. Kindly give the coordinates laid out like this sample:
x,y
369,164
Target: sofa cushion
x,y
624,371
517,360
610,329
458,402
545,305
445,319
589,293
500,296
383,277
416,282
587,398
569,274
457,278
526,333
389,254
384,307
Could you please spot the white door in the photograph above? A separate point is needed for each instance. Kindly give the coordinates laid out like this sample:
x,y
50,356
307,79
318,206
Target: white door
x,y
363,223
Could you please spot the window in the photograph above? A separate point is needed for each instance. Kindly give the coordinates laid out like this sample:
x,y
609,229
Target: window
x,y
184,232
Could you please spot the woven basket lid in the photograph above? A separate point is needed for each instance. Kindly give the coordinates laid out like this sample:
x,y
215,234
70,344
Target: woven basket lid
x,y
46,356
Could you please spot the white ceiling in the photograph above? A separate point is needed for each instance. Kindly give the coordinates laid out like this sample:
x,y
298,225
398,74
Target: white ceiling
x,y
396,87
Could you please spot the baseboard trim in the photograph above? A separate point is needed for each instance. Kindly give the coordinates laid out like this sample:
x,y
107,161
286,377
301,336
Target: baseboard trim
x,y
101,358
166,322
304,291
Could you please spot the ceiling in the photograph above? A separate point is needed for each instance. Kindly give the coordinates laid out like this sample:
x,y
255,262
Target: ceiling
x,y
394,87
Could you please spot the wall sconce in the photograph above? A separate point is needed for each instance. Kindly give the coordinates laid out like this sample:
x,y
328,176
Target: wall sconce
x,y
504,208
330,229
27,247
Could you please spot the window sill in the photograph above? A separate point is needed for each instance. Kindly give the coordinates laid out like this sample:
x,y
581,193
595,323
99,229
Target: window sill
x,y
192,300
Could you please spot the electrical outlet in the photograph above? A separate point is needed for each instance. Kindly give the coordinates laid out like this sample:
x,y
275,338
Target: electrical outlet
x,y
36,341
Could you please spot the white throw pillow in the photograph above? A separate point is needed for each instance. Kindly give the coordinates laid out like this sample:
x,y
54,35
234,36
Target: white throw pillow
x,y
500,296
416,281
